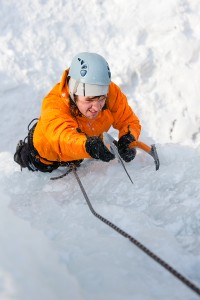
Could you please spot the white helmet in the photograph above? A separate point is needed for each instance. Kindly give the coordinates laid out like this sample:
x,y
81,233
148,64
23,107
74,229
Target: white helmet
x,y
89,75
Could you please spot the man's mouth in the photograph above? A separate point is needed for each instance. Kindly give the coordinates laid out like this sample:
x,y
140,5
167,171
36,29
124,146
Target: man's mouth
x,y
93,112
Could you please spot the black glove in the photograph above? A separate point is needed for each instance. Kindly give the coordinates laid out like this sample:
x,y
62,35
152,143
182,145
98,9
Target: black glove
x,y
96,149
126,153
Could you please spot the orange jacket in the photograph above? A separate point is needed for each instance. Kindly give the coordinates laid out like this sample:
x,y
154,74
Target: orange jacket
x,y
56,137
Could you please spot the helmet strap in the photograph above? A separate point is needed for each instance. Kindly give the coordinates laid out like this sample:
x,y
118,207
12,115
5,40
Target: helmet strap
x,y
74,90
84,89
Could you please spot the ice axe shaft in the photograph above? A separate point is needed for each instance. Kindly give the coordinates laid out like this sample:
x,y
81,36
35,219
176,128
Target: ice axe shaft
x,y
140,145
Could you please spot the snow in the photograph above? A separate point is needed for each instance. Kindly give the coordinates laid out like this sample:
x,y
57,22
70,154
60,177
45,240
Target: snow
x,y
52,247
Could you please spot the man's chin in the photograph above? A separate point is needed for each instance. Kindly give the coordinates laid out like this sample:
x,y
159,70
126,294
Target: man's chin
x,y
92,115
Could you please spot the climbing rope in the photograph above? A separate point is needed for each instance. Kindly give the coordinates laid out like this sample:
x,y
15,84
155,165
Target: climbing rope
x,y
156,258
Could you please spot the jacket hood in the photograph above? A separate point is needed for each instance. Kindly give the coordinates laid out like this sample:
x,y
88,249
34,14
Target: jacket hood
x,y
64,90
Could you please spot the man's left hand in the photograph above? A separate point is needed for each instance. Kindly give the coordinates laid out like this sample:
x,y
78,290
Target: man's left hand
x,y
126,153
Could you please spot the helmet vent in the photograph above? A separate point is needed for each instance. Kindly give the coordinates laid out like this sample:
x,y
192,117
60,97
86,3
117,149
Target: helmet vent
x,y
84,67
90,68
81,60
109,73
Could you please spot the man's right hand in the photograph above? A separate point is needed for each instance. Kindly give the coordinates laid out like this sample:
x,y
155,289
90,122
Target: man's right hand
x,y
96,149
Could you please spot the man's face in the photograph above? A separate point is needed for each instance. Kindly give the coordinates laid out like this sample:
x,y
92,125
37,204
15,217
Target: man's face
x,y
90,106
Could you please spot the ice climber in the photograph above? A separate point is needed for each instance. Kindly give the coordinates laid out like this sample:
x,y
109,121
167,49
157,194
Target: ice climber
x,y
74,115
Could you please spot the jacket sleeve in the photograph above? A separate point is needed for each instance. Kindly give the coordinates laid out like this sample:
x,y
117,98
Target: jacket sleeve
x,y
60,129
124,117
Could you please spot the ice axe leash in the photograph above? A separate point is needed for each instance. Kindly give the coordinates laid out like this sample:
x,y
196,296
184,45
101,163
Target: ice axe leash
x,y
110,143
156,258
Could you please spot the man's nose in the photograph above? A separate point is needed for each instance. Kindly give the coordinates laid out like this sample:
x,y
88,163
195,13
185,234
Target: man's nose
x,y
96,104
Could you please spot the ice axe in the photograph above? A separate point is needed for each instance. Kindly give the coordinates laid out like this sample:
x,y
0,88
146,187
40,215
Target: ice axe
x,y
151,150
